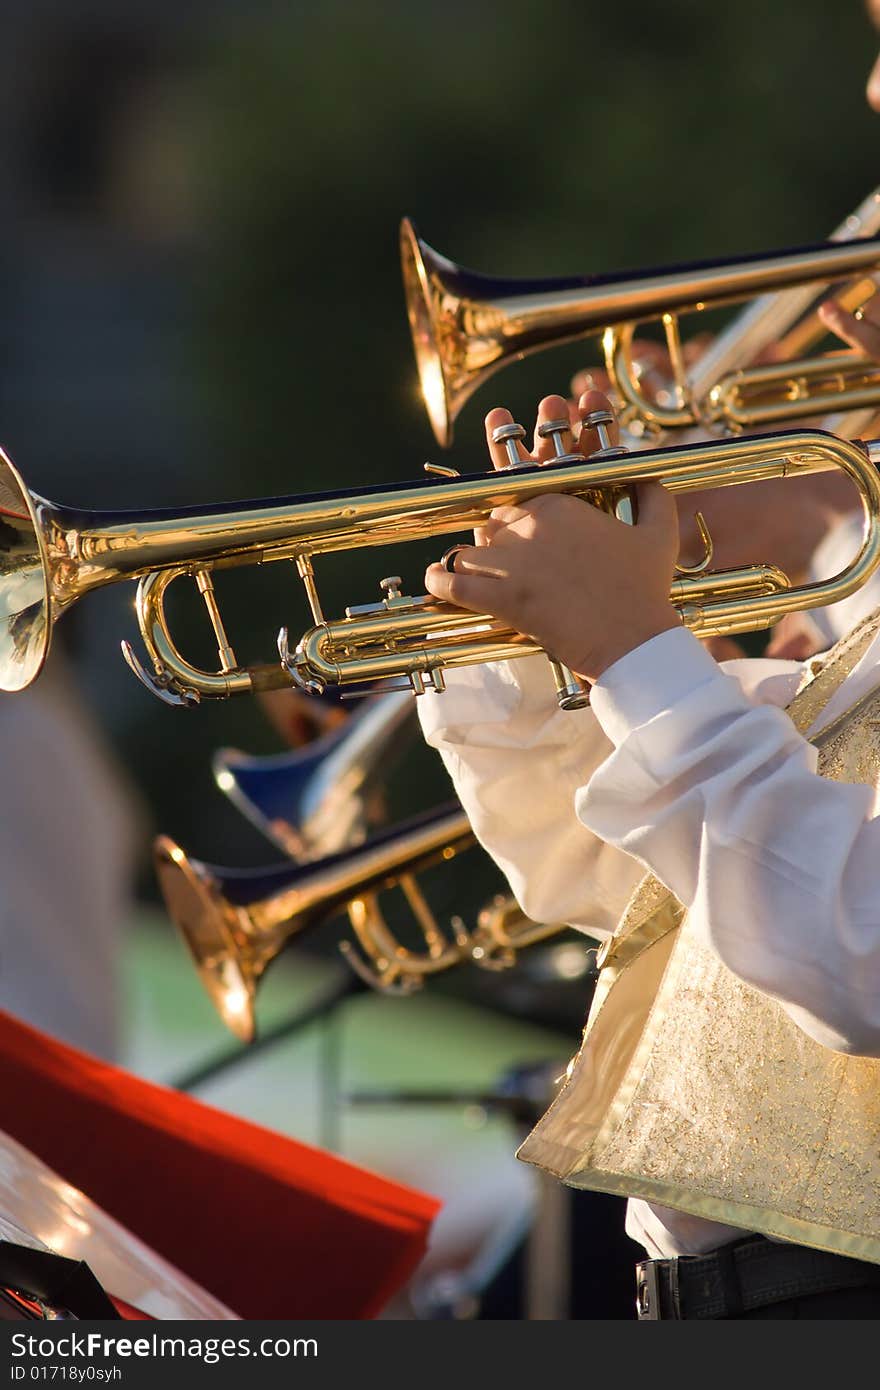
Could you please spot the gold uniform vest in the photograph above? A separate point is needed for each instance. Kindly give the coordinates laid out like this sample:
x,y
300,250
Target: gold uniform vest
x,y
693,1090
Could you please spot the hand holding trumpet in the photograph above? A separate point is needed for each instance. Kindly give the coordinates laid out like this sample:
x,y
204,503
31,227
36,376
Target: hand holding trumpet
x,y
585,586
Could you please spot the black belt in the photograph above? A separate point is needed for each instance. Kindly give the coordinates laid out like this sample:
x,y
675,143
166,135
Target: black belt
x,y
746,1274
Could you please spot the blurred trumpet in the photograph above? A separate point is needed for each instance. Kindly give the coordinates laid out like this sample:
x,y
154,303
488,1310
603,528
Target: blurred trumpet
x,y
466,326
314,801
236,921
787,321
502,930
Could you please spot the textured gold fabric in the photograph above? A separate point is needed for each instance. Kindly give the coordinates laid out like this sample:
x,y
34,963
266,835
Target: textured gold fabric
x,y
694,1090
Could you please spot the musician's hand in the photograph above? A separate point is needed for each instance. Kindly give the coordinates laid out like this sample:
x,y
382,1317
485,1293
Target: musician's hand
x,y
653,365
724,648
300,718
860,330
795,638
586,587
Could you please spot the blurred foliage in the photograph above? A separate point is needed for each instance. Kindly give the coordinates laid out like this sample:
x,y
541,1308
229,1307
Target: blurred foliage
x,y
524,139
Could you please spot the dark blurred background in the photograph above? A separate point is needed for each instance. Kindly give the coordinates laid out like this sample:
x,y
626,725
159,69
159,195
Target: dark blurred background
x,y
202,298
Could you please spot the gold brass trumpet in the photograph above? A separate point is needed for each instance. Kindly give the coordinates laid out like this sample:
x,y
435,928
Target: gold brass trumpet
x,y
52,555
466,326
236,921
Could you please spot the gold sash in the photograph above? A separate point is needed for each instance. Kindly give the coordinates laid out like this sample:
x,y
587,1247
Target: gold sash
x,y
695,1091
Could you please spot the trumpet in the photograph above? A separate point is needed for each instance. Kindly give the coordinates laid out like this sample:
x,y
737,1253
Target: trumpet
x,y
313,801
52,555
236,921
465,326
787,319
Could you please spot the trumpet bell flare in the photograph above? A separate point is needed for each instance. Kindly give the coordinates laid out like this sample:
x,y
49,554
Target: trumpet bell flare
x,y
208,939
25,614
429,359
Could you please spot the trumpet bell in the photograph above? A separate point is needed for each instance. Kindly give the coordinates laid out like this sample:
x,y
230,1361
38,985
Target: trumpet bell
x,y
416,259
200,916
313,801
25,625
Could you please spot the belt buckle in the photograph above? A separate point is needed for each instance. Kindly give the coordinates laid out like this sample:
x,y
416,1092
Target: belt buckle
x,y
648,1307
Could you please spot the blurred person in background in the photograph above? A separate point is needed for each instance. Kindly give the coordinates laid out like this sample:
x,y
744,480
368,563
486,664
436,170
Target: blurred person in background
x,y
70,833
86,162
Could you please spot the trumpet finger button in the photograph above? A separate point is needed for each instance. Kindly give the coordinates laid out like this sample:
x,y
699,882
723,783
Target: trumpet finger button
x,y
601,421
509,436
554,430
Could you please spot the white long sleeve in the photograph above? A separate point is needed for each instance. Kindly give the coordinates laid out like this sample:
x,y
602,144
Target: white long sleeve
x,y
517,761
720,798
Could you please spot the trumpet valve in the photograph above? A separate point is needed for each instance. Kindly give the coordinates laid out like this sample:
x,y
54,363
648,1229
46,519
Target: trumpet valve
x,y
509,436
391,587
601,421
553,430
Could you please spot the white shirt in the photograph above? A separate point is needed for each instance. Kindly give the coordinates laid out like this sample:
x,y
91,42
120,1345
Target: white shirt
x,y
691,770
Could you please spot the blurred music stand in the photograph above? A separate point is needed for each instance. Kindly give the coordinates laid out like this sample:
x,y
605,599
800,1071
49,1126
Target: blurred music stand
x,y
522,1094
324,1010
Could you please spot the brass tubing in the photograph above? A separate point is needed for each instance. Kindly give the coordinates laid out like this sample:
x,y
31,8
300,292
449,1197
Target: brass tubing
x,y
766,395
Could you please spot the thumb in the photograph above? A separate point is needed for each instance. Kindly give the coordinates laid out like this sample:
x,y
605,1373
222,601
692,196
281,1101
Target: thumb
x,y
658,516
657,508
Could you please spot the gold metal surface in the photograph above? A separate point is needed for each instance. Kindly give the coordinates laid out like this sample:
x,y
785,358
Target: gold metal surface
x,y
466,326
52,555
421,637
786,321
766,395
502,930
235,923
25,620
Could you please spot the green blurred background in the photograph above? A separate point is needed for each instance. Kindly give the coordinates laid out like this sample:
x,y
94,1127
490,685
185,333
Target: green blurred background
x,y
202,301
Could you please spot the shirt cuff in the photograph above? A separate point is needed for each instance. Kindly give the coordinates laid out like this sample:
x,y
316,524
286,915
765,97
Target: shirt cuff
x,y
650,679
